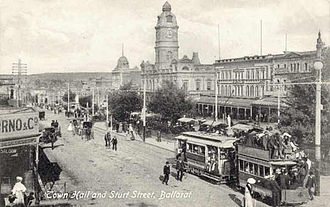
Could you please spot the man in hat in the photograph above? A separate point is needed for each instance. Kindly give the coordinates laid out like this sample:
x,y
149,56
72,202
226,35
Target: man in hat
x,y
166,171
19,190
276,191
179,168
114,143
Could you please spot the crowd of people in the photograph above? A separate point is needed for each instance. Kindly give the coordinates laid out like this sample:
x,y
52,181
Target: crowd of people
x,y
280,146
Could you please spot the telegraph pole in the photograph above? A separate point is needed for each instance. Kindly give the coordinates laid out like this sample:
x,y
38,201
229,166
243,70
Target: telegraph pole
x,y
216,97
68,98
93,97
19,69
107,108
144,110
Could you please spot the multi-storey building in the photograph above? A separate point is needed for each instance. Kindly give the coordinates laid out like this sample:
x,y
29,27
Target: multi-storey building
x,y
186,73
250,87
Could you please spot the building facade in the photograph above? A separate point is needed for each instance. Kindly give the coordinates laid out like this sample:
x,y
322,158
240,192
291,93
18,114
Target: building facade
x,y
251,87
122,74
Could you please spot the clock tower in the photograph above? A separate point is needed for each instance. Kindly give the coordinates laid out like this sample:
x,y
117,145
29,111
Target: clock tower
x,y
167,46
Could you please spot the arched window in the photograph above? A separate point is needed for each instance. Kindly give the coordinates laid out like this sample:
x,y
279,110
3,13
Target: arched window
x,y
226,91
252,91
169,18
257,91
222,88
298,67
306,66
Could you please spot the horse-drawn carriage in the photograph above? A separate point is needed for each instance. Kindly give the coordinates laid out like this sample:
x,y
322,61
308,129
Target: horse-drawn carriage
x,y
49,135
87,130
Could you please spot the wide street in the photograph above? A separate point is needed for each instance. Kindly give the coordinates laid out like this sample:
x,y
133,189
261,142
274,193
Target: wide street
x,y
127,173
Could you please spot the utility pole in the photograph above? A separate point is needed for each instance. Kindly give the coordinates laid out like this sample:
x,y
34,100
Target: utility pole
x,y
144,110
19,69
93,97
107,108
318,65
279,104
68,98
216,97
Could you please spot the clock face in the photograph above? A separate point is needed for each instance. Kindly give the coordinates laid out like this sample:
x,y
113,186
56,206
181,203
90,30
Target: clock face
x,y
169,34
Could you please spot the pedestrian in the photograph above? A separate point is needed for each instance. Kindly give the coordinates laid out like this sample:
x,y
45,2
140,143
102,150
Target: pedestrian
x,y
248,200
18,191
159,136
276,191
179,168
166,171
114,143
107,139
311,184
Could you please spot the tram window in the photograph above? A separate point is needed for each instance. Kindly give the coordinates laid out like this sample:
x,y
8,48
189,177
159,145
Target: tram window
x,y
267,171
251,168
241,165
261,171
201,150
255,169
246,166
189,147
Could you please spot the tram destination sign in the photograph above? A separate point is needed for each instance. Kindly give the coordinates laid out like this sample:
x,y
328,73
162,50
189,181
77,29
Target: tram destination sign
x,y
16,125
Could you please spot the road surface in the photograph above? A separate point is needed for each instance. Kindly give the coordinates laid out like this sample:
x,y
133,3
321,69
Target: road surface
x,y
129,176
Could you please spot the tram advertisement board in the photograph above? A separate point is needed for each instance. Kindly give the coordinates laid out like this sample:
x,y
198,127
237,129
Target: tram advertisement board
x,y
18,125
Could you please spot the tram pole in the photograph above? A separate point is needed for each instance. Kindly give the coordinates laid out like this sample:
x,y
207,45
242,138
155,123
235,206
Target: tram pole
x,y
144,110
68,99
216,97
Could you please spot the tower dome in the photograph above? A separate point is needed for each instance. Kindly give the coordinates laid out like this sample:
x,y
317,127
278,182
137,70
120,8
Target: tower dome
x,y
122,63
166,6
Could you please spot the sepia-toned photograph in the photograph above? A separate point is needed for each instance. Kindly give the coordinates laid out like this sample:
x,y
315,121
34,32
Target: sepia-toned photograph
x,y
155,103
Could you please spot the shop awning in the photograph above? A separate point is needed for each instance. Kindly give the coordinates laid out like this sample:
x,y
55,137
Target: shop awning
x,y
243,127
186,120
230,101
268,102
214,123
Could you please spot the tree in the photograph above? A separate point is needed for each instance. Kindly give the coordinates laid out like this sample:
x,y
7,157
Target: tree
x,y
123,102
299,117
72,97
171,102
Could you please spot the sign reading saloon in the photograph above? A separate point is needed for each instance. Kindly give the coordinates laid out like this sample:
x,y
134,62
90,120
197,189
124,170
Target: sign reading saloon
x,y
18,125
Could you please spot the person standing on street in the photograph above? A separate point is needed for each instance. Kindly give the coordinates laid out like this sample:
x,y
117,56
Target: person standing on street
x,y
248,200
18,191
180,168
166,171
114,143
311,184
107,139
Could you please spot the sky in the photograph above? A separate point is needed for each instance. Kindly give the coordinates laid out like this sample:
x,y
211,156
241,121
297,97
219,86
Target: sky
x,y
87,36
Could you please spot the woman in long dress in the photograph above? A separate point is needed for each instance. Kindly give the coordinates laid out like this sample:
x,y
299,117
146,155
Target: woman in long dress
x,y
248,200
19,190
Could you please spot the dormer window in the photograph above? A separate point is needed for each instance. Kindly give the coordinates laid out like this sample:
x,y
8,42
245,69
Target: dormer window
x,y
169,18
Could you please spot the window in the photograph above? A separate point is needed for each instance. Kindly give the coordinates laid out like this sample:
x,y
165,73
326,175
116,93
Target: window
x,y
251,91
169,18
247,74
252,74
255,169
185,85
261,171
247,91
241,165
208,85
284,65
298,67
222,75
257,74
267,171
198,85
306,67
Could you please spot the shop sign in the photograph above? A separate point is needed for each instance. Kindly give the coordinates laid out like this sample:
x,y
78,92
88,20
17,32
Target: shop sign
x,y
18,125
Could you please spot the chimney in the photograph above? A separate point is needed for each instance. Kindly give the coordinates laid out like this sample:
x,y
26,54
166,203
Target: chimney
x,y
195,59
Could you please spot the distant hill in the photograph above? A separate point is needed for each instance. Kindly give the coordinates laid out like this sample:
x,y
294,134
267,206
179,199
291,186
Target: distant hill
x,y
70,76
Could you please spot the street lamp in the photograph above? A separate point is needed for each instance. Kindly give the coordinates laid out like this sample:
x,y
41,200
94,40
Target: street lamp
x,y
318,65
